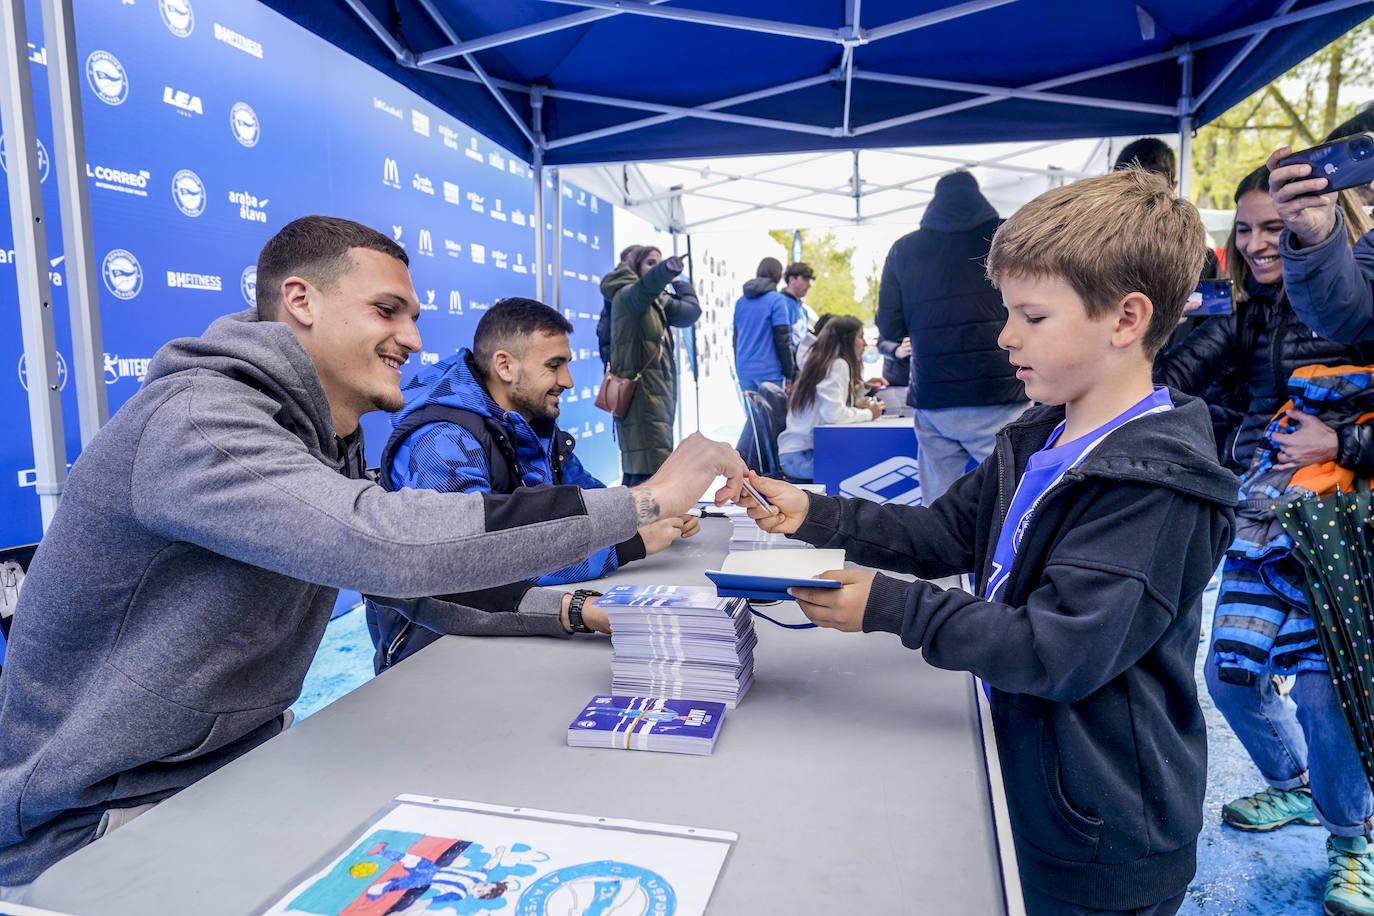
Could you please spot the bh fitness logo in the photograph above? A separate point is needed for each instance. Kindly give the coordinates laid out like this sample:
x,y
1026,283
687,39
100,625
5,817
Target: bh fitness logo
x,y
106,77
122,273
178,16
243,121
606,888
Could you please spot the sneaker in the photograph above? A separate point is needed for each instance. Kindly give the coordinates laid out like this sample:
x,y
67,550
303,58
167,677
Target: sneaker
x,y
1270,810
1350,886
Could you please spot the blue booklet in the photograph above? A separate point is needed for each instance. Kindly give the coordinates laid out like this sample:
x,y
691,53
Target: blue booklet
x,y
648,724
762,588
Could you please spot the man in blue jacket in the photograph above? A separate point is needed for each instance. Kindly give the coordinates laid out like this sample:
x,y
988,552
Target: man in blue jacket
x,y
934,291
486,421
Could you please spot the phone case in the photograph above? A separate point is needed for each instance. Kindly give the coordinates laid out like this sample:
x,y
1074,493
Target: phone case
x,y
1345,163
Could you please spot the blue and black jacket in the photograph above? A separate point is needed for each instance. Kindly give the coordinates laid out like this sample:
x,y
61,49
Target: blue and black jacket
x,y
452,436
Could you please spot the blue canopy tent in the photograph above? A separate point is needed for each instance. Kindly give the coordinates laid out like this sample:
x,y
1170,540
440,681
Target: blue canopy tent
x,y
601,81
572,82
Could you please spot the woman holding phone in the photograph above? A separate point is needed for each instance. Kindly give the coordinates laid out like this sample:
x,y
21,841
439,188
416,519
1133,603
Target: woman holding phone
x,y
828,389
1298,742
1257,347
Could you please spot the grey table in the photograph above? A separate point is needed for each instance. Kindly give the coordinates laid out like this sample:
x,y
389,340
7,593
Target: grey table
x,y
854,774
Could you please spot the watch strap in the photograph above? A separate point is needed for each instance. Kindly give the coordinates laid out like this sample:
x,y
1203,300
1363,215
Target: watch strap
x,y
579,598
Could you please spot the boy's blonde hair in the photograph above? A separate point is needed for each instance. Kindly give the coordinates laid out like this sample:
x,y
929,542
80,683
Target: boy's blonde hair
x,y
1106,237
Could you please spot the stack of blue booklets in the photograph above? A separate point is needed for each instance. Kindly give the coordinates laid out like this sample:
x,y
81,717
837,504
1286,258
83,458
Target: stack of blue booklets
x,y
648,724
680,641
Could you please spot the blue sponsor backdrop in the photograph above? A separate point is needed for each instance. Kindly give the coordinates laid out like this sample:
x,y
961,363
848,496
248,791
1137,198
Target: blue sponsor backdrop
x,y
209,125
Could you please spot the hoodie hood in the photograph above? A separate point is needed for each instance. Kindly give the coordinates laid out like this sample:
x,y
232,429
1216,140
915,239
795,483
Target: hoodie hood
x,y
758,286
1171,449
958,205
264,355
616,280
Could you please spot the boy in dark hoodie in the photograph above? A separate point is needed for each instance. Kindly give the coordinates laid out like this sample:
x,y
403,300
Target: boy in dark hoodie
x,y
1091,531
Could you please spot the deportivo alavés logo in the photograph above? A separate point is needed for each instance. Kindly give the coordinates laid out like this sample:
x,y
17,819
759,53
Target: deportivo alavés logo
x,y
122,273
188,192
106,77
178,16
43,160
606,888
248,284
243,121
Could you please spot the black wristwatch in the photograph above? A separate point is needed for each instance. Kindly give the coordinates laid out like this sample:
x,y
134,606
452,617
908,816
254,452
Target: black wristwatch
x,y
579,598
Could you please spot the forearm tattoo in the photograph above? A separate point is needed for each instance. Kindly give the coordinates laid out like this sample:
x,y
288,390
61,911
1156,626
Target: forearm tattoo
x,y
646,507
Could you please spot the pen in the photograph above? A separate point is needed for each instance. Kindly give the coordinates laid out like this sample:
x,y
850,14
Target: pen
x,y
760,498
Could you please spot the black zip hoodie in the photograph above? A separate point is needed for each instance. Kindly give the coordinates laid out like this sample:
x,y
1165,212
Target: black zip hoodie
x,y
1102,743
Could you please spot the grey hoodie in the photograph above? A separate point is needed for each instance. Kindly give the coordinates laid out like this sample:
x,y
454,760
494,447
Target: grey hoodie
x,y
179,596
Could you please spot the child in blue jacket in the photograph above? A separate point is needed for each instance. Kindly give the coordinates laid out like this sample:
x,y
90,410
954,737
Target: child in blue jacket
x,y
1091,533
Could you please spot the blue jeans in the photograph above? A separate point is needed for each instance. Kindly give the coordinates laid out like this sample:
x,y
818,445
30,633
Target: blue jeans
x,y
948,438
1299,738
800,465
752,384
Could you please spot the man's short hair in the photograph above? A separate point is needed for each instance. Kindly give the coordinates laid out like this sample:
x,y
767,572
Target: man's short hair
x,y
1150,154
799,269
770,268
509,324
1120,233
314,248
1362,121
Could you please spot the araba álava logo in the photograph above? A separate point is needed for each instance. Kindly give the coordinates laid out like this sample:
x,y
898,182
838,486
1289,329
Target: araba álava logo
x,y
188,192
178,16
122,273
243,121
106,77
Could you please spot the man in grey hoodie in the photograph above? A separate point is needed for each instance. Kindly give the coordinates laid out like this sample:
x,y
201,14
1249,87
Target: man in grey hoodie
x,y
176,601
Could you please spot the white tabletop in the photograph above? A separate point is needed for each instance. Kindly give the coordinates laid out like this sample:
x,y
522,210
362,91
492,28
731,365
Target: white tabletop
x,y
853,773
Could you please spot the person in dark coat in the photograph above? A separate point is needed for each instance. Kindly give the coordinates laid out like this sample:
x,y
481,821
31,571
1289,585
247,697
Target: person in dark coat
x,y
934,291
641,345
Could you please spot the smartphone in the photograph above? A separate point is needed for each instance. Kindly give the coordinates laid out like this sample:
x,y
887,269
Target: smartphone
x,y
1215,296
1346,163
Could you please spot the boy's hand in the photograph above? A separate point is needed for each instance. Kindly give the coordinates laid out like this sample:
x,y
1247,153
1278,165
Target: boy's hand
x,y
838,608
1310,442
791,505
690,525
1310,215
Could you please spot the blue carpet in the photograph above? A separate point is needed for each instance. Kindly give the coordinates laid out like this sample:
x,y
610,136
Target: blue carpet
x,y
1276,874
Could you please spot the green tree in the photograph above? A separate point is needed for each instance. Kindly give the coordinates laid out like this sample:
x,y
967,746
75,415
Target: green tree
x,y
1299,108
833,289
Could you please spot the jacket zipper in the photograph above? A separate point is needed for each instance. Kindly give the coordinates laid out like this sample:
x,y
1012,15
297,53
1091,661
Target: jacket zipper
x,y
394,646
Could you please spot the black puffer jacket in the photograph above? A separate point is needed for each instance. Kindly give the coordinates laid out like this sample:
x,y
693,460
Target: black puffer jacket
x,y
934,290
1253,352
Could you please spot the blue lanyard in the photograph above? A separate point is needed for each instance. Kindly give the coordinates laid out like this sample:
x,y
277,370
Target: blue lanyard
x,y
787,626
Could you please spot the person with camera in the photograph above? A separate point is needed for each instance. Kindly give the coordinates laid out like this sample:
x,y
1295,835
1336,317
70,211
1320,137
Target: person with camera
x,y
642,312
1298,742
1328,259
